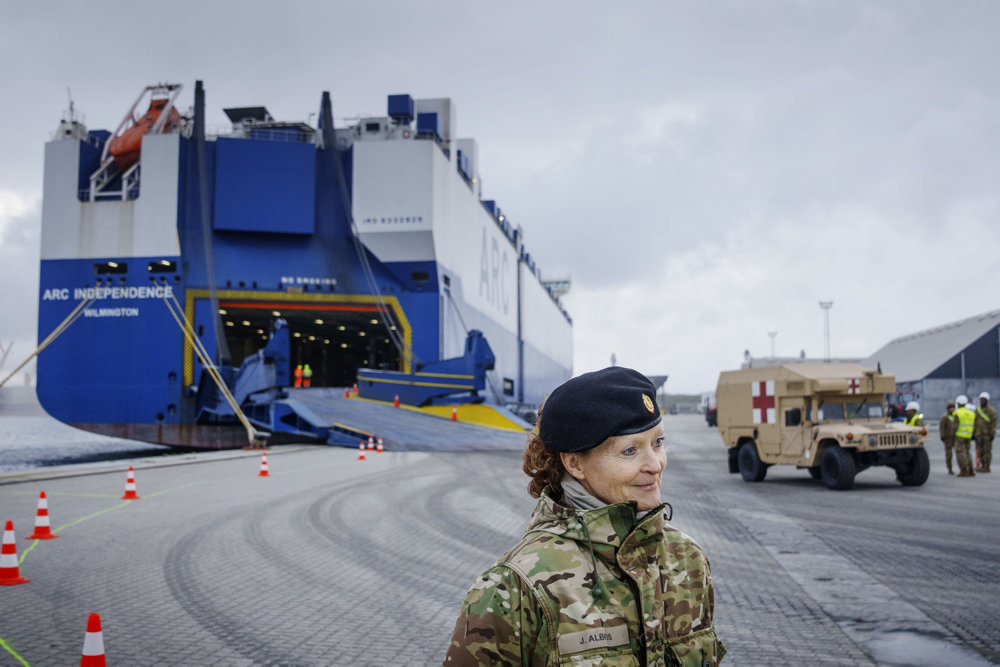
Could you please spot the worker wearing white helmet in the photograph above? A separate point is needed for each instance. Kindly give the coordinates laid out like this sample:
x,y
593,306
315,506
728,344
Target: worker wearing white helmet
x,y
913,416
984,429
963,434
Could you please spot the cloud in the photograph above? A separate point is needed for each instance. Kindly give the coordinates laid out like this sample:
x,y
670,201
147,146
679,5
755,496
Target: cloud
x,y
19,245
704,172
694,315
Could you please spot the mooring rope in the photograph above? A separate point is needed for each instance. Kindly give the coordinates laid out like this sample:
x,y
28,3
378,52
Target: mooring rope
x,y
65,324
254,436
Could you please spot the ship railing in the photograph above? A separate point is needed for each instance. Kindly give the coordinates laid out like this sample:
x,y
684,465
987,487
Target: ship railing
x,y
130,183
101,178
265,134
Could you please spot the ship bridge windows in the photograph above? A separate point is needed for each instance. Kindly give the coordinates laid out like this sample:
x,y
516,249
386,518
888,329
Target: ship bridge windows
x,y
105,268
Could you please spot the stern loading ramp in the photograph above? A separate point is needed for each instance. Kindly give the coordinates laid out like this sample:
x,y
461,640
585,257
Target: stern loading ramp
x,y
416,429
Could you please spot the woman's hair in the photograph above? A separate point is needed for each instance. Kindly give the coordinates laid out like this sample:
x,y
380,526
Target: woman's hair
x,y
543,466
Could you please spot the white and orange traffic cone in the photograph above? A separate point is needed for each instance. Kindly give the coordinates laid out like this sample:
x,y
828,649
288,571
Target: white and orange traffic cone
x,y
93,643
354,388
130,493
263,465
361,451
371,442
454,414
347,392
379,448
395,401
10,573
43,529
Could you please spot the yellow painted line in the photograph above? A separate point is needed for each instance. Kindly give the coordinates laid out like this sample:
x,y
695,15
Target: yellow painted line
x,y
470,413
63,527
460,376
412,383
74,495
8,648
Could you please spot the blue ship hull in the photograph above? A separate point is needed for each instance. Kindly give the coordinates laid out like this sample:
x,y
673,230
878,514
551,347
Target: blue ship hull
x,y
370,269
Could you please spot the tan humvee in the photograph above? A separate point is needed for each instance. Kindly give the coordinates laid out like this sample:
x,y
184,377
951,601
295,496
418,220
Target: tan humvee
x,y
826,417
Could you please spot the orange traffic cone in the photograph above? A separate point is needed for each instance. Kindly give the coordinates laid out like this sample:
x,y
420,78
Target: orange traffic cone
x,y
347,392
43,530
395,401
354,389
361,451
263,465
379,449
371,442
130,493
10,573
454,414
93,643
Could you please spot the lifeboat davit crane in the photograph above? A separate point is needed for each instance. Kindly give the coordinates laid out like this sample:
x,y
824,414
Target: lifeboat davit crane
x,y
123,147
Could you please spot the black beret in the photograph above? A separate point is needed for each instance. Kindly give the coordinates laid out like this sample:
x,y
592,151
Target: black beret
x,y
585,411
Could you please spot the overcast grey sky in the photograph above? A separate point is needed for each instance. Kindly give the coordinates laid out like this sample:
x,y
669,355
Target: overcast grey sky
x,y
704,171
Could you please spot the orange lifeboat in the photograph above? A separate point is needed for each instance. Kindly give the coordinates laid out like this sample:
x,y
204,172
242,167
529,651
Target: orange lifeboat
x,y
126,144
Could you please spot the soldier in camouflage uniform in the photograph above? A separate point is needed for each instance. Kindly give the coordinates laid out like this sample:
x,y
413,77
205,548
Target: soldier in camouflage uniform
x,y
984,430
946,429
600,577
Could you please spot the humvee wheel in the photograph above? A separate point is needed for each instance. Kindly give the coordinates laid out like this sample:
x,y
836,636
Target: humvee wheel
x,y
837,468
916,471
752,469
815,472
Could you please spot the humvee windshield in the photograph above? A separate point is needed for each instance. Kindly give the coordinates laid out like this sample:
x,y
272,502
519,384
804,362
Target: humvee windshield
x,y
852,410
865,410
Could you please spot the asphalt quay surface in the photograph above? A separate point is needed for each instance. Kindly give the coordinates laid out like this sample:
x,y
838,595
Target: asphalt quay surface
x,y
335,561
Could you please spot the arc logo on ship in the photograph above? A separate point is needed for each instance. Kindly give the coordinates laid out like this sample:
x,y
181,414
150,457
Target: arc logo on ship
x,y
494,274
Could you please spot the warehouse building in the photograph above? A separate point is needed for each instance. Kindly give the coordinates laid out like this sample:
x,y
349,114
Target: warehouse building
x,y
934,366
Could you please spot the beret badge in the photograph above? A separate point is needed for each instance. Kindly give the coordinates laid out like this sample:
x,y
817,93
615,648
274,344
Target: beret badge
x,y
648,402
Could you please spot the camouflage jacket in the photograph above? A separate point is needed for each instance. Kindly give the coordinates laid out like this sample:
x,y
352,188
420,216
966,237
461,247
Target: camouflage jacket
x,y
947,426
592,587
986,423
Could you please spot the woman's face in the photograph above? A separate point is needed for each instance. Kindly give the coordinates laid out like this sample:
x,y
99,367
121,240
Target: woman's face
x,y
624,467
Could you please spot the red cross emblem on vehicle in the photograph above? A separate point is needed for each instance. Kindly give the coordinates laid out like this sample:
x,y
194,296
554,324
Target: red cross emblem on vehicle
x,y
762,394
853,387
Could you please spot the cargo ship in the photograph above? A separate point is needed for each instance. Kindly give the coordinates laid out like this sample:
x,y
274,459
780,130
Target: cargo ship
x,y
182,266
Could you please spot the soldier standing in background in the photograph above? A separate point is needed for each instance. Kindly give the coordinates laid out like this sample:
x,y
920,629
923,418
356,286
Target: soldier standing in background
x,y
965,418
984,431
947,428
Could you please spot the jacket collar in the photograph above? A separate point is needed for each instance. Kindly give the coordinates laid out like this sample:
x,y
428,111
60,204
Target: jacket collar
x,y
607,525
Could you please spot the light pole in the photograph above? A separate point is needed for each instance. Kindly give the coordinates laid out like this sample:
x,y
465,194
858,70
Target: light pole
x,y
772,334
826,305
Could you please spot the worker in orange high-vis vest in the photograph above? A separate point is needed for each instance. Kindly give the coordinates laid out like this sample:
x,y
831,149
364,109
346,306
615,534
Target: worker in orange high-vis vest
x,y
298,375
966,420
307,374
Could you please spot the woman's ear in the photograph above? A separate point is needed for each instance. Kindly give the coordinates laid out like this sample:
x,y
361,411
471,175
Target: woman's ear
x,y
571,461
